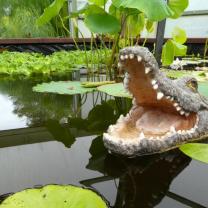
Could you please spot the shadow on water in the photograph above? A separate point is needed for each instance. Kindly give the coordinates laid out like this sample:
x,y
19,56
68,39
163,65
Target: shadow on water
x,y
140,182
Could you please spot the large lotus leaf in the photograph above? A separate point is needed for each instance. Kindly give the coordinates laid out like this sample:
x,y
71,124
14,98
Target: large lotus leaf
x,y
50,12
178,6
102,23
155,10
116,90
135,24
196,151
63,87
98,2
54,196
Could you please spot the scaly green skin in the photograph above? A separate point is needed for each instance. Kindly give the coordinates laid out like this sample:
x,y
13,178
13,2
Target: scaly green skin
x,y
176,91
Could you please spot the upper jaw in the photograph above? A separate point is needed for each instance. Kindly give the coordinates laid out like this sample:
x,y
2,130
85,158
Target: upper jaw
x,y
165,89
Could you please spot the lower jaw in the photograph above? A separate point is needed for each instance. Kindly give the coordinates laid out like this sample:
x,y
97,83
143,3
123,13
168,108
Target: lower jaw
x,y
144,145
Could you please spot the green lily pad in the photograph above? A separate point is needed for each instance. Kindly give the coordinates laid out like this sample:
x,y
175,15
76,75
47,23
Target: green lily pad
x,y
196,151
54,196
63,87
200,76
116,90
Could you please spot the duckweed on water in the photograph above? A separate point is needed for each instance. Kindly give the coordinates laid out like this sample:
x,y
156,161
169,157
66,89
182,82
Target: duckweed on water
x,y
32,64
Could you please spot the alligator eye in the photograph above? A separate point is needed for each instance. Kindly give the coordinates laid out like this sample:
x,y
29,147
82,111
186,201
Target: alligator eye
x,y
193,84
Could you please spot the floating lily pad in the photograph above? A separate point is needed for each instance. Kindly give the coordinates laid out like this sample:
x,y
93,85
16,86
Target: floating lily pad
x,y
196,151
54,196
199,75
116,90
63,87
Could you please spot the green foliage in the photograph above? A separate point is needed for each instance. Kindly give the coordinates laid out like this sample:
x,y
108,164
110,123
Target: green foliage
x,y
179,35
155,10
98,2
18,19
126,19
174,47
63,87
54,196
102,23
196,151
33,64
50,12
178,7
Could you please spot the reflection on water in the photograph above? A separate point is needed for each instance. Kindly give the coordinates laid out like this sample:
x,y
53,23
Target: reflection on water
x,y
64,145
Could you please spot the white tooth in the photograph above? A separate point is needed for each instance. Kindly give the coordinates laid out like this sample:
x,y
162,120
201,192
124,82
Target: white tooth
x,y
182,112
139,58
178,108
110,129
183,132
169,133
134,102
155,86
122,57
153,82
187,114
172,99
119,65
131,56
160,95
157,137
192,130
141,136
151,138
121,118
168,97
147,70
175,104
126,56
179,132
172,129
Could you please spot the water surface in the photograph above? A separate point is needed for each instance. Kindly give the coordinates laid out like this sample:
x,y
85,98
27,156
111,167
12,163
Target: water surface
x,y
51,139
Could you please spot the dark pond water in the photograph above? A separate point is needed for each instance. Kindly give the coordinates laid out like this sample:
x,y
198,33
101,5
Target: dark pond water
x,y
56,139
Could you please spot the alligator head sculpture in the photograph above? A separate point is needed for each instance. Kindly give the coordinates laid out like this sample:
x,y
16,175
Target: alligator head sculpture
x,y
165,113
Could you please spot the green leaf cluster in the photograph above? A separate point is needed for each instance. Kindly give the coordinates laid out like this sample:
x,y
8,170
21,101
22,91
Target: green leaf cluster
x,y
18,20
33,64
174,47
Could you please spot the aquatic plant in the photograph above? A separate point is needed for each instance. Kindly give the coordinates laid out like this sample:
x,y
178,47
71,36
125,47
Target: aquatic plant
x,y
18,19
33,64
55,196
117,22
174,47
196,151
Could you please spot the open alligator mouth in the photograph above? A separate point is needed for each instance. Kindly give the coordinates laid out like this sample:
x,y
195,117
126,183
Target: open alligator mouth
x,y
165,112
